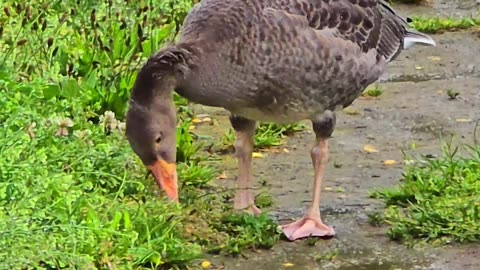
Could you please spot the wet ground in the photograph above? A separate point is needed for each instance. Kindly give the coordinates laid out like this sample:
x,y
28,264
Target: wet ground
x,y
413,109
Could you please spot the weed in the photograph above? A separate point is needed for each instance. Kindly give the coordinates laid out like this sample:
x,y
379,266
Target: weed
x,y
438,199
79,199
373,92
452,94
70,201
375,219
247,230
267,134
86,49
263,200
434,25
438,24
329,256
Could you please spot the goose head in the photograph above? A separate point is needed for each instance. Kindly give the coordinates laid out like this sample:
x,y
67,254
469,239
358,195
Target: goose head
x,y
151,128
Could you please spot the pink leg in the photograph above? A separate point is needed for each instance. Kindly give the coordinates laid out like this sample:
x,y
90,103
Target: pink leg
x,y
244,198
311,224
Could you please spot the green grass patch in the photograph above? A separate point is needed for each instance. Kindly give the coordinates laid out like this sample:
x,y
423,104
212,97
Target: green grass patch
x,y
87,49
438,199
267,134
452,94
435,25
246,231
438,24
73,195
375,91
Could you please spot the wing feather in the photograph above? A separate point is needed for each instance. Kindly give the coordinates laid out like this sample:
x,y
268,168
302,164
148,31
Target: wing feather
x,y
371,24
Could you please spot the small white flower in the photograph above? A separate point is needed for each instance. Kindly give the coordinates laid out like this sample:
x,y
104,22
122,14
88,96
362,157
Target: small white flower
x,y
122,126
107,116
108,121
82,134
63,124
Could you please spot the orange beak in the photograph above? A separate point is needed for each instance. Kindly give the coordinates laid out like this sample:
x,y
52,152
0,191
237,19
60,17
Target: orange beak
x,y
165,175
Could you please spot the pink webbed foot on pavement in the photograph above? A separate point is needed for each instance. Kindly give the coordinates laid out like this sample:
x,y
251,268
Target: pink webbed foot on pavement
x,y
307,227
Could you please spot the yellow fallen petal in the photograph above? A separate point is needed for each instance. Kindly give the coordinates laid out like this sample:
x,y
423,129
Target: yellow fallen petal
x,y
351,111
257,155
328,189
390,162
418,68
288,265
286,150
272,150
370,148
206,264
191,127
464,120
196,120
206,119
434,58
223,176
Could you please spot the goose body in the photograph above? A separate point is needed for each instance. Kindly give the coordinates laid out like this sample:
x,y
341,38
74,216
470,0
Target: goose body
x,y
265,60
285,61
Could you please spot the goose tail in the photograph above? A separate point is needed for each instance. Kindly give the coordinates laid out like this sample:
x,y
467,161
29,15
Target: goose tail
x,y
414,37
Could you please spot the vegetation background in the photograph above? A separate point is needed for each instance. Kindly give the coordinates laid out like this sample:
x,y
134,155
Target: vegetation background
x,y
72,193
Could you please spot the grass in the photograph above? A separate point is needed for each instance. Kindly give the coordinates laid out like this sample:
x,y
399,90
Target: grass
x,y
375,91
72,193
77,200
266,135
438,199
436,25
81,199
452,94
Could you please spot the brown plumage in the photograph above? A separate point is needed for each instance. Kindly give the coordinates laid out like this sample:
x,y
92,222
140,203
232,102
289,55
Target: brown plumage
x,y
266,60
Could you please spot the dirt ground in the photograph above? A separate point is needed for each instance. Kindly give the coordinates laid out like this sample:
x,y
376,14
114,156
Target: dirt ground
x,y
414,108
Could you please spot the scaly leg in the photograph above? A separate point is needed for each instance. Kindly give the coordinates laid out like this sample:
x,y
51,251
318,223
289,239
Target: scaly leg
x,y
311,224
244,198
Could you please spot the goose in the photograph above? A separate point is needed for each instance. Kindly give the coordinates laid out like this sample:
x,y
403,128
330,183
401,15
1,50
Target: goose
x,y
279,61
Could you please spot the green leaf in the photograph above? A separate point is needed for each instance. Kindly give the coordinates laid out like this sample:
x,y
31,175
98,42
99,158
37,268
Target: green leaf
x,y
51,91
70,88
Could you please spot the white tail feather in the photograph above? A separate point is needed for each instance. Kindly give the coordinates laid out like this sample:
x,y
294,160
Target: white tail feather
x,y
414,37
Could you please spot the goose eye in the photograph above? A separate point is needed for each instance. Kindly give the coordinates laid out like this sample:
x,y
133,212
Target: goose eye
x,y
159,138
